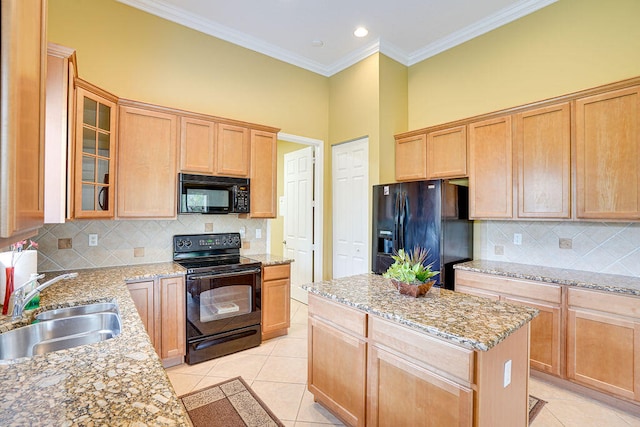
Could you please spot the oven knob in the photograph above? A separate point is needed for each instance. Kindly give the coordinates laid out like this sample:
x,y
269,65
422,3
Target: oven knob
x,y
179,243
188,243
236,240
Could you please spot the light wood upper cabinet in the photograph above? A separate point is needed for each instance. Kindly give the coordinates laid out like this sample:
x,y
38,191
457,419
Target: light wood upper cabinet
x,y
542,140
411,158
447,153
95,152
607,155
490,169
232,151
23,62
197,146
59,128
264,148
147,163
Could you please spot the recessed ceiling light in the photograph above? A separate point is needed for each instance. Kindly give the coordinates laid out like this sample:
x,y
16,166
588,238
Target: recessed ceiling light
x,y
317,43
360,32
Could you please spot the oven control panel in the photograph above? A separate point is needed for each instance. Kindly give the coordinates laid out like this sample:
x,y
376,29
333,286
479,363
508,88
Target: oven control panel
x,y
203,242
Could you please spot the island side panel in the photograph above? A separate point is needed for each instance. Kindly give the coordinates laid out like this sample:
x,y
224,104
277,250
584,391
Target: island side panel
x,y
495,404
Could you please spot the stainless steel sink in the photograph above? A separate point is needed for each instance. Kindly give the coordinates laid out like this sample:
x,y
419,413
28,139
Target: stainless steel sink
x,y
59,334
101,307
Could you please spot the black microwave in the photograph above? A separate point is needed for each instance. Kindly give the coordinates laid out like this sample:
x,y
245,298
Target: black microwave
x,y
207,194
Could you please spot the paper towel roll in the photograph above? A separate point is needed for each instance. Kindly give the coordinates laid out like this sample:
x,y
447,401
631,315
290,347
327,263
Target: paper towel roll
x,y
26,264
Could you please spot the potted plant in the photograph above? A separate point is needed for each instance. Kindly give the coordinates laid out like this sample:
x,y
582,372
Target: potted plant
x,y
409,273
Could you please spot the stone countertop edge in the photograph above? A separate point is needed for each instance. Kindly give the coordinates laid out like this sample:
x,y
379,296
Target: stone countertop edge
x,y
269,259
119,381
473,322
578,278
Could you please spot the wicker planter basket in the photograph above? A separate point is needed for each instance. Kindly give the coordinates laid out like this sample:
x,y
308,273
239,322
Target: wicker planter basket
x,y
411,289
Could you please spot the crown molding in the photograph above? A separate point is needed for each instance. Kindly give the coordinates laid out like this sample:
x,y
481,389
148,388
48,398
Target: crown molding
x,y
502,17
179,16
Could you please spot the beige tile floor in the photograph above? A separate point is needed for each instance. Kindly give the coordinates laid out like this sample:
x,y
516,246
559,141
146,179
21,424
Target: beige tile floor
x,y
277,372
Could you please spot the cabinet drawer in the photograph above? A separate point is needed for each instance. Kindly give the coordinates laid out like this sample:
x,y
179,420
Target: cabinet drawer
x,y
273,272
608,302
516,287
444,357
338,314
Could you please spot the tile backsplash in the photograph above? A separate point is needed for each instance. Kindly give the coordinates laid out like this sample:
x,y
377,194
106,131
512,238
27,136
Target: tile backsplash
x,y
592,246
125,242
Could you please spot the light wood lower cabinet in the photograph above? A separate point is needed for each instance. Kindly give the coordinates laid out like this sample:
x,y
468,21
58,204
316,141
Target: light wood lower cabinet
x,y
370,371
161,306
546,328
414,379
603,342
276,298
338,359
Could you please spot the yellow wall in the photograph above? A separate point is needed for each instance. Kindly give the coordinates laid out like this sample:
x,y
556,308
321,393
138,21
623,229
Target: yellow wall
x,y
139,56
277,224
568,46
565,47
393,115
353,113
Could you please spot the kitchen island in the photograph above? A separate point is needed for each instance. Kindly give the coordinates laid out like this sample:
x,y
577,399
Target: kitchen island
x,y
377,357
119,381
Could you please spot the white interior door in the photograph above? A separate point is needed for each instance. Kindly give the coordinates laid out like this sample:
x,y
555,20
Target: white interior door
x,y
350,178
298,218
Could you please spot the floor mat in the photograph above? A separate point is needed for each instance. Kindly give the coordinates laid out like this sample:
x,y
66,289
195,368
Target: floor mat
x,y
535,406
231,403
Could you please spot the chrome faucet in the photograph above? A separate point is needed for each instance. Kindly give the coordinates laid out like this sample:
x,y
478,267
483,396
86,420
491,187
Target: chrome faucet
x,y
20,301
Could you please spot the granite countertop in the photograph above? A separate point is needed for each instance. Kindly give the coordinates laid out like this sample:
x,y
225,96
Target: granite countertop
x,y
269,259
473,322
119,381
583,279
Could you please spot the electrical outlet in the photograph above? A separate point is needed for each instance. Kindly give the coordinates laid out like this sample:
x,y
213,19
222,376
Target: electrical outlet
x,y
93,240
258,233
243,232
565,243
507,374
517,238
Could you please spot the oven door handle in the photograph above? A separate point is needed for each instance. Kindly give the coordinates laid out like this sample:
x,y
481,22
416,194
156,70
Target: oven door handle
x,y
222,275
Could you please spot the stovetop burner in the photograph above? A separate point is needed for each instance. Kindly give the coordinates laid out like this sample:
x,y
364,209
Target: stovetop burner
x,y
200,253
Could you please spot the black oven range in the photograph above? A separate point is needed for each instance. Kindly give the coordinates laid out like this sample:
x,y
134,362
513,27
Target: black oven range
x,y
223,295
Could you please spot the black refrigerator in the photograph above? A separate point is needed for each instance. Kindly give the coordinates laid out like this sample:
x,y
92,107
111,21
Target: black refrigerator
x,y
432,214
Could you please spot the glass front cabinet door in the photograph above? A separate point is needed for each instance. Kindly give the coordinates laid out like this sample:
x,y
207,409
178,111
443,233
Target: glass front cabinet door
x,y
94,153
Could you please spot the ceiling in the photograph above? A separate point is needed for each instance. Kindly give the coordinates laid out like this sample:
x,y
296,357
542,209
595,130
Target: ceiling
x,y
408,31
